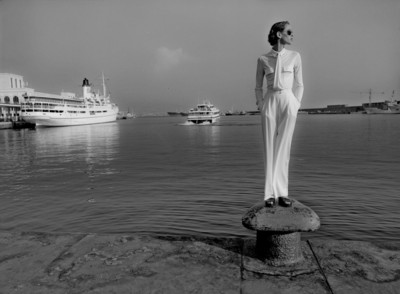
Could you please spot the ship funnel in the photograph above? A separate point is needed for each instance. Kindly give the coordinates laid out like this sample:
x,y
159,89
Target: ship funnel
x,y
86,88
85,82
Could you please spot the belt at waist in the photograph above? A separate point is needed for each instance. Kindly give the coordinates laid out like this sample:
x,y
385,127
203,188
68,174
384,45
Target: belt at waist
x,y
271,90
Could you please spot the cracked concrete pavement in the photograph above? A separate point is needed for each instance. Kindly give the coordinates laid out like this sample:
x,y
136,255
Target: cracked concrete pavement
x,y
32,262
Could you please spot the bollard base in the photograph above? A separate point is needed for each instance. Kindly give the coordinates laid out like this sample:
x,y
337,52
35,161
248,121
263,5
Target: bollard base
x,y
279,249
253,265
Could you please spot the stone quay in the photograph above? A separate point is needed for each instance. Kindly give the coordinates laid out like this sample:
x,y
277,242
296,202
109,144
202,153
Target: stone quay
x,y
34,262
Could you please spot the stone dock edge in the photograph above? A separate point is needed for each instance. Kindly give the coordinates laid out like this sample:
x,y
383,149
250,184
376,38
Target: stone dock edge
x,y
35,262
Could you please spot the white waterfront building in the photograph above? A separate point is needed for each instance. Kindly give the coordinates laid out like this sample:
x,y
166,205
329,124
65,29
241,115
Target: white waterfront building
x,y
12,91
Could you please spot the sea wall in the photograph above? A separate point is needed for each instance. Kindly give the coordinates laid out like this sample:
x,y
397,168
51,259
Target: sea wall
x,y
5,125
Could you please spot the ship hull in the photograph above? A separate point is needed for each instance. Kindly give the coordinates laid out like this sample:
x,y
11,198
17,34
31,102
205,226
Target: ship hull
x,y
203,119
44,119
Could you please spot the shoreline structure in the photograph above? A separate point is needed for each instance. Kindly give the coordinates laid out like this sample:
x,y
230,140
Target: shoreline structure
x,y
35,262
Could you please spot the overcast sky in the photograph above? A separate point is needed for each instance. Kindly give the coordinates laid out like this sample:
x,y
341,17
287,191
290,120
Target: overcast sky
x,y
166,55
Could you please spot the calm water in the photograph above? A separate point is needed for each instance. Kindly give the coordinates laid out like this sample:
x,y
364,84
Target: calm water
x,y
155,175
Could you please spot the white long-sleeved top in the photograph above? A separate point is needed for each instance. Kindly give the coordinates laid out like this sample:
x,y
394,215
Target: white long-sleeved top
x,y
290,76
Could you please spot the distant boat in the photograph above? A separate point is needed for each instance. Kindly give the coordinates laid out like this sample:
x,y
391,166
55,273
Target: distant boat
x,y
130,115
204,113
177,113
253,112
235,113
386,107
51,110
126,115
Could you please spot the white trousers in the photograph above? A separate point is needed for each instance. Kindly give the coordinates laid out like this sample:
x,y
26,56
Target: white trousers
x,y
278,116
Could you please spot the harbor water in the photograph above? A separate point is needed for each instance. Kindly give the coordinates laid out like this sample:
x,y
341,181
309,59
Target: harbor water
x,y
160,176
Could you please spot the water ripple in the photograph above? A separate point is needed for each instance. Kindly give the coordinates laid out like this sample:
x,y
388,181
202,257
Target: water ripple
x,y
153,175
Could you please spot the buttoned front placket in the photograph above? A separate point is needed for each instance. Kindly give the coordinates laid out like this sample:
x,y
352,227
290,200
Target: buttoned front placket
x,y
278,71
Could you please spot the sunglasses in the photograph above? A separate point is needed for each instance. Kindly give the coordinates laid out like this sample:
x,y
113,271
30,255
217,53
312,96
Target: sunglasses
x,y
289,32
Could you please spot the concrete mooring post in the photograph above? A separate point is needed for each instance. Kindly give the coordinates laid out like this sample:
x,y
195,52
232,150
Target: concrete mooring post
x,y
278,231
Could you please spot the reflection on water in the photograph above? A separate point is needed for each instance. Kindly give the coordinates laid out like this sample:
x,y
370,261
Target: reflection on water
x,y
208,134
78,142
48,155
93,144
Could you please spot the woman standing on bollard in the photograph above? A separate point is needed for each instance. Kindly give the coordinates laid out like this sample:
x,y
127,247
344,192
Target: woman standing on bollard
x,y
279,106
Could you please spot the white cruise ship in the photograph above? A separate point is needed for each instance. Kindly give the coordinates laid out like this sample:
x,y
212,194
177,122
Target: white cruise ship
x,y
67,110
203,113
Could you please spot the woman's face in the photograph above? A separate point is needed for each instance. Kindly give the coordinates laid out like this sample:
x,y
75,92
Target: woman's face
x,y
287,35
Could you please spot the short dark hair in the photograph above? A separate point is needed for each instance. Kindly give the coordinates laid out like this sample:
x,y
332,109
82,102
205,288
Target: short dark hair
x,y
276,27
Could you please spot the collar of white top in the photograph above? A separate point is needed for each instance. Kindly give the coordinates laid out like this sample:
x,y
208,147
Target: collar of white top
x,y
275,53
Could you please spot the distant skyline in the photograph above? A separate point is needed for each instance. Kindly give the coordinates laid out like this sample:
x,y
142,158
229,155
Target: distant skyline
x,y
166,55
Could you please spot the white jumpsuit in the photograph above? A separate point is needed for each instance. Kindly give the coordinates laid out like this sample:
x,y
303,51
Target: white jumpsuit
x,y
279,106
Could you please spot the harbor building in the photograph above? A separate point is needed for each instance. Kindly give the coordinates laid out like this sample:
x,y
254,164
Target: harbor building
x,y
334,109
12,93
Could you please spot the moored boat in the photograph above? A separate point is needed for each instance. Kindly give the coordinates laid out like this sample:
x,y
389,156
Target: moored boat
x,y
174,113
22,125
203,113
386,107
230,112
66,109
177,113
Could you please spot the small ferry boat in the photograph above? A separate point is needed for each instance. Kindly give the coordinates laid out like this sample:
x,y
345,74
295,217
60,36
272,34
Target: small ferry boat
x,y
50,110
203,113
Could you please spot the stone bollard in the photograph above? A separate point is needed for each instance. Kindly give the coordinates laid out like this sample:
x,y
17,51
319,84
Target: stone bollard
x,y
278,231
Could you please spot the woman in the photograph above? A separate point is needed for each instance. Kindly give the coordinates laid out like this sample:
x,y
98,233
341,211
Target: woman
x,y
279,106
